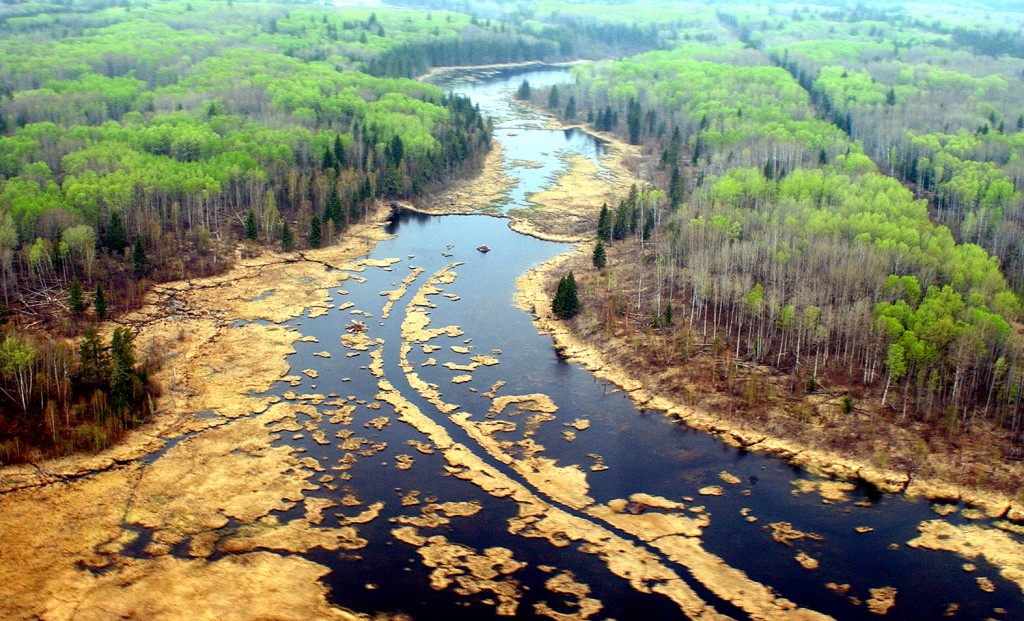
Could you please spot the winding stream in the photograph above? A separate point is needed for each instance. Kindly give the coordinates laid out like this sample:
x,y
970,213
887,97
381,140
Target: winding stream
x,y
619,451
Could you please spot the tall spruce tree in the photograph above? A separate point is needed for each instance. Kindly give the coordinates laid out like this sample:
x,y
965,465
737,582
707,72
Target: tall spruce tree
x,y
139,260
76,300
600,258
524,90
116,239
553,100
604,224
315,235
99,303
566,303
251,230
287,238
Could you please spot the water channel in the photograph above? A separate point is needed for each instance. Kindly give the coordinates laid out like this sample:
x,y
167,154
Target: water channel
x,y
621,451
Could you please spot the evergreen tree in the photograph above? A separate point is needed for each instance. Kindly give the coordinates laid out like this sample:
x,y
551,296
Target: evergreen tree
x,y
251,230
333,210
570,108
124,381
600,258
99,303
116,238
314,233
566,303
604,224
524,91
139,260
396,150
676,188
76,301
620,227
634,118
553,100
666,319
92,359
287,239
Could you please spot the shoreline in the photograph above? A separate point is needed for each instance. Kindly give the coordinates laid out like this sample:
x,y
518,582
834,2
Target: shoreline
x,y
80,506
532,296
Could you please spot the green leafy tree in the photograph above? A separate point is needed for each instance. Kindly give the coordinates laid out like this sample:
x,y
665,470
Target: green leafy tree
x,y
251,230
566,303
139,260
600,259
76,299
17,360
99,303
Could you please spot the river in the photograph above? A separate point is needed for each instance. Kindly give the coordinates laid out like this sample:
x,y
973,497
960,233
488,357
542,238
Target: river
x,y
859,538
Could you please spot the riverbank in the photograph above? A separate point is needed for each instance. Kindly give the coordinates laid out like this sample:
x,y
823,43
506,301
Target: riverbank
x,y
942,470
622,357
91,536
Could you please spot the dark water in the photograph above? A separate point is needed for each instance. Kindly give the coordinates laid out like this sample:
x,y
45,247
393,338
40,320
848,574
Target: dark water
x,y
643,450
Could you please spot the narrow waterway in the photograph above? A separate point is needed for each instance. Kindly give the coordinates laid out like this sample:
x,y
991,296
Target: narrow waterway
x,y
560,412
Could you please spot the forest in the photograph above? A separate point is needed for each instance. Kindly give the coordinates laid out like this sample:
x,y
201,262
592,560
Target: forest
x,y
830,191
143,142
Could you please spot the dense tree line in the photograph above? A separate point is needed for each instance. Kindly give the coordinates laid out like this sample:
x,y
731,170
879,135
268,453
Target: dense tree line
x,y
928,103
776,238
143,143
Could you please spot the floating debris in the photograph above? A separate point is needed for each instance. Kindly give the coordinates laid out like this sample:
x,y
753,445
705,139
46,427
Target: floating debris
x,y
711,490
311,372
483,248
356,326
985,584
403,462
